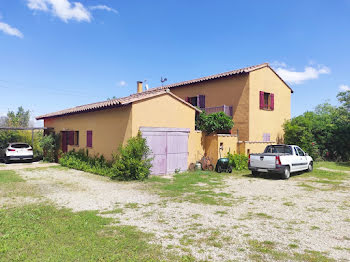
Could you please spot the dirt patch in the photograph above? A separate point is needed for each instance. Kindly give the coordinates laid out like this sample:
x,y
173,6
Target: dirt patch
x,y
18,166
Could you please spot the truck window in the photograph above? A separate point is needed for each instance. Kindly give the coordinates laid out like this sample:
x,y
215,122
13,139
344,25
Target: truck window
x,y
301,152
295,150
279,149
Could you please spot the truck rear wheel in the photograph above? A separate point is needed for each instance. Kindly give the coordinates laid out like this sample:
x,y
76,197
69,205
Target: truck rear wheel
x,y
286,173
310,167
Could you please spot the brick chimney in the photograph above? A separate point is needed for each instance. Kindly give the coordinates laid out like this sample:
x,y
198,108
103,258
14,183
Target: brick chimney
x,y
139,87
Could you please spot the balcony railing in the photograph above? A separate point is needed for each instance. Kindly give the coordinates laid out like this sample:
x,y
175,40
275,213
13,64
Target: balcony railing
x,y
226,109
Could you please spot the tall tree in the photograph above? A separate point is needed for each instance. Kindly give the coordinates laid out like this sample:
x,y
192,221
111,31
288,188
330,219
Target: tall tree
x,y
18,119
344,99
324,133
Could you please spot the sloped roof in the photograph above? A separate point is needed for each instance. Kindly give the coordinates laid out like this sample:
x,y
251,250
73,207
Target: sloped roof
x,y
225,74
114,103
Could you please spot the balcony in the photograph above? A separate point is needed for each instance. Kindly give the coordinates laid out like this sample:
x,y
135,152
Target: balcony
x,y
226,109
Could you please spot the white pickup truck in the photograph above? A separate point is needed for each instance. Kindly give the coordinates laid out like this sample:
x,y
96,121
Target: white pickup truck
x,y
280,159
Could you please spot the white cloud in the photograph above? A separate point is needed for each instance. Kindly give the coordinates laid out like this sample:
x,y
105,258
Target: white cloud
x,y
104,7
278,64
63,9
122,83
294,77
344,88
37,5
7,29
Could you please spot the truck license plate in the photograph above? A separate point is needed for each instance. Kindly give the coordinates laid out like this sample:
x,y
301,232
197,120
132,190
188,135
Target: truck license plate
x,y
262,170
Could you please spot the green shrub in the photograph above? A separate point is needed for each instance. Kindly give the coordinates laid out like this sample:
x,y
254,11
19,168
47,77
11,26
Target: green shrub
x,y
132,162
237,161
49,145
81,160
214,123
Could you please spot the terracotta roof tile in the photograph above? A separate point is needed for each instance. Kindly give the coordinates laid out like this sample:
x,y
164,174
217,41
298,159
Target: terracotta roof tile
x,y
113,103
225,74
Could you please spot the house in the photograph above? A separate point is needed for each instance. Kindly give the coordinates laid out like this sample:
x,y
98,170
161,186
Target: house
x,y
255,97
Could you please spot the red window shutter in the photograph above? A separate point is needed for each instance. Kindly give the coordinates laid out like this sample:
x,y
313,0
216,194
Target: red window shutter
x,y
262,103
201,101
272,106
71,138
89,138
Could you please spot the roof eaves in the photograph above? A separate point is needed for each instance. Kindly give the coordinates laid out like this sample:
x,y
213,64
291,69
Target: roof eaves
x,y
114,103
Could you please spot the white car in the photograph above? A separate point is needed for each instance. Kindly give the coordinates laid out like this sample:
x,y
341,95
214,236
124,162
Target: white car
x,y
280,159
16,151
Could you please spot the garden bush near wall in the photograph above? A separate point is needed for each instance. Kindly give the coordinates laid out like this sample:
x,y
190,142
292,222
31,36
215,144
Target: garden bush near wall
x,y
50,147
132,161
214,123
237,161
82,161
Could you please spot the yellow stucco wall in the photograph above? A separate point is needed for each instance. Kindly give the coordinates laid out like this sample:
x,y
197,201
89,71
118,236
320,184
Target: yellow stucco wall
x,y
263,121
229,144
251,148
110,128
212,146
231,91
196,146
162,111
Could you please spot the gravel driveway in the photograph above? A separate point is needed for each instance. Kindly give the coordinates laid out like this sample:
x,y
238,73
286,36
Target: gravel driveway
x,y
20,165
278,214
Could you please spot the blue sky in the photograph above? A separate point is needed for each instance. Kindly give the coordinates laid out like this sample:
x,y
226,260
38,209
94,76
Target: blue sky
x,y
56,54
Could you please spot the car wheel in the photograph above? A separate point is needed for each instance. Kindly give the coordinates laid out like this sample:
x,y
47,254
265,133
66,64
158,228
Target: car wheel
x,y
6,160
229,170
310,167
286,173
219,170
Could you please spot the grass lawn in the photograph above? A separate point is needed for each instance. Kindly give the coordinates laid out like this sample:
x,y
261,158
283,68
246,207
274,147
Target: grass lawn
x,y
333,176
8,176
344,166
195,187
42,232
45,233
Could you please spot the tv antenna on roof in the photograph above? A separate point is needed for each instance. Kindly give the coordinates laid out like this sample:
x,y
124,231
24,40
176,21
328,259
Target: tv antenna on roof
x,y
146,84
163,80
